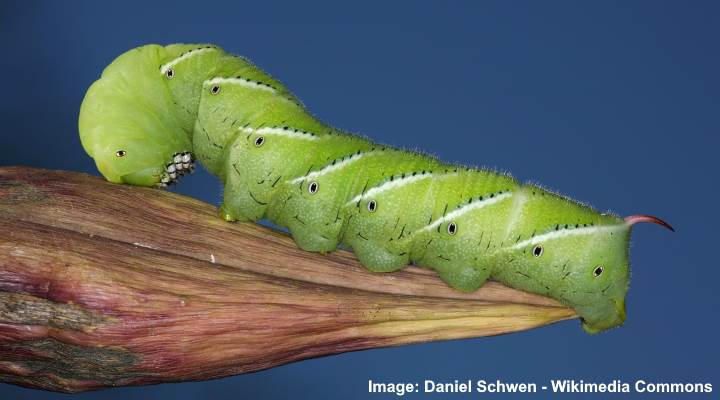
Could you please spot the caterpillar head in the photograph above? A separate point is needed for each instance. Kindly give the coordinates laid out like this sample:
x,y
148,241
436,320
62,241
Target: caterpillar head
x,y
133,160
128,123
585,267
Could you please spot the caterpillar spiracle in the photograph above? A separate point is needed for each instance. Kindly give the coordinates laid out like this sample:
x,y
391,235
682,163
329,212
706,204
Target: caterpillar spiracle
x,y
157,109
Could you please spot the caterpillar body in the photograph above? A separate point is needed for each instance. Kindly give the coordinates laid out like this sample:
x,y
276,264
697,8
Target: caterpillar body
x,y
156,109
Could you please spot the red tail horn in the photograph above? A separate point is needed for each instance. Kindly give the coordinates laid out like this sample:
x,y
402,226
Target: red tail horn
x,y
634,219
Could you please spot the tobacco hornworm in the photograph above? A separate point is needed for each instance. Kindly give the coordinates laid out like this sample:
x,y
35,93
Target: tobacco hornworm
x,y
155,109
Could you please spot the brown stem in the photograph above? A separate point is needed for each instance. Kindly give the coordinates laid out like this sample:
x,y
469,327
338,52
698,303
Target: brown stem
x,y
108,285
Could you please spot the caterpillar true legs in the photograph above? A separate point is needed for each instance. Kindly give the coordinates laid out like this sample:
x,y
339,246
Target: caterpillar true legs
x,y
154,104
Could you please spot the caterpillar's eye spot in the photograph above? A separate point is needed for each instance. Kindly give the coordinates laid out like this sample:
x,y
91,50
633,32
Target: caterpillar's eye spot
x,y
313,187
259,141
120,153
597,271
169,73
537,251
215,89
452,228
372,206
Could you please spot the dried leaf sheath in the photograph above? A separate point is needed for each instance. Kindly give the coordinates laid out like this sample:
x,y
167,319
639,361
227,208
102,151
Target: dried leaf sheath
x,y
106,285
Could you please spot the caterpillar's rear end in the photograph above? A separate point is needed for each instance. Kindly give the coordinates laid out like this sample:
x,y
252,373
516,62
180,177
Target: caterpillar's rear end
x,y
155,109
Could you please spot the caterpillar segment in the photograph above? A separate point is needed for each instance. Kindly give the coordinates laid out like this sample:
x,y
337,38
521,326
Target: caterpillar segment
x,y
259,159
155,110
315,207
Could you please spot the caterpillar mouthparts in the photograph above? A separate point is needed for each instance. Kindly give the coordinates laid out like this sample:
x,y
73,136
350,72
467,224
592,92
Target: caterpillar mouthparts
x,y
180,165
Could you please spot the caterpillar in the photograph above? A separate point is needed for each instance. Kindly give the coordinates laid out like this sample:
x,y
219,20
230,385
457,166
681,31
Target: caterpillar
x,y
156,110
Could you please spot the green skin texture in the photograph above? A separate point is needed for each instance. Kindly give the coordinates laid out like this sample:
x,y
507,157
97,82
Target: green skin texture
x,y
392,207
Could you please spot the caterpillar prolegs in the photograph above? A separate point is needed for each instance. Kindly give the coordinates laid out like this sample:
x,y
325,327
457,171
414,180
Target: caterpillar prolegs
x,y
156,109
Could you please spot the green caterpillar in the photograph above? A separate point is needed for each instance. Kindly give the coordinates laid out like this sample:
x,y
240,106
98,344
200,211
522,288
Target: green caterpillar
x,y
157,109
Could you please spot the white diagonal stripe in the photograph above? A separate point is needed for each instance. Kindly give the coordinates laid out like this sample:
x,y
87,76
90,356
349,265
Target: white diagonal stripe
x,y
467,208
331,168
241,82
281,132
567,232
185,56
387,186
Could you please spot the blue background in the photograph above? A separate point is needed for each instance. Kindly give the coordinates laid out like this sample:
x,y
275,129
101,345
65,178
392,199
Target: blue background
x,y
614,103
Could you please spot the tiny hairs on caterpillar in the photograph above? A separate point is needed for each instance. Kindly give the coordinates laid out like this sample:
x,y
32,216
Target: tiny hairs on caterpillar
x,y
155,110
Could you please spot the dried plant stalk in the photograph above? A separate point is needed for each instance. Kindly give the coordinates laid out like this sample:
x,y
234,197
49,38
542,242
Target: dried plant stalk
x,y
106,285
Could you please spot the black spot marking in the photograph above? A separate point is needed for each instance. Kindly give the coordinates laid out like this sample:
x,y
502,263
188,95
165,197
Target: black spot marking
x,y
537,251
313,187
